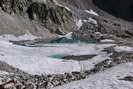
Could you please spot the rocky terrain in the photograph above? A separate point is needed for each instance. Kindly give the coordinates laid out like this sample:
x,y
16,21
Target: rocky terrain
x,y
66,44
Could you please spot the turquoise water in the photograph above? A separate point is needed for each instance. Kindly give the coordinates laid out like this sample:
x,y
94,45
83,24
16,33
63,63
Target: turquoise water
x,y
90,40
57,56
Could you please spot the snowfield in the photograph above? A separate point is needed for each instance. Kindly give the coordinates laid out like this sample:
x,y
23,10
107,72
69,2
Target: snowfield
x,y
109,79
36,60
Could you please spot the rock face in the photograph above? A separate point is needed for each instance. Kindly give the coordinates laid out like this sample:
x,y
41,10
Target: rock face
x,y
48,18
57,19
14,6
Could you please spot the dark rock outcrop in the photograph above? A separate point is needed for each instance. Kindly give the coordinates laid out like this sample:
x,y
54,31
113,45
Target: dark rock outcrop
x,y
57,19
14,6
127,78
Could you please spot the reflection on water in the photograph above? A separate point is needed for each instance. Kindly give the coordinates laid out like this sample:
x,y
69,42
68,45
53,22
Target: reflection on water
x,y
73,57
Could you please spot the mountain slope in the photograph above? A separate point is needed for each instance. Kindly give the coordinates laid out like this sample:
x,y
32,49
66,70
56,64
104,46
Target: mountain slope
x,y
61,44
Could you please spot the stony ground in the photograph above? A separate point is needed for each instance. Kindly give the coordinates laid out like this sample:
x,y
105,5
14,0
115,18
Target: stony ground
x,y
27,81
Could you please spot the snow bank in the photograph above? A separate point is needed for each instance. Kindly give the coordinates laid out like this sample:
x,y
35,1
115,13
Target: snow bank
x,y
36,60
107,40
105,80
68,36
123,48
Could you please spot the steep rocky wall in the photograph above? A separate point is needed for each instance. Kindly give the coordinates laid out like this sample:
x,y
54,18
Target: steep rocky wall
x,y
17,26
14,6
57,19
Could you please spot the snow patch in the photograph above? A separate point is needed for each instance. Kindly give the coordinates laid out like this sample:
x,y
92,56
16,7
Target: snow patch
x,y
40,1
56,3
123,48
79,23
91,20
107,40
68,36
91,12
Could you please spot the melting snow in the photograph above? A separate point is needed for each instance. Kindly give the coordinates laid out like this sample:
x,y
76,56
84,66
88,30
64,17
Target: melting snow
x,y
107,40
123,48
91,12
36,60
68,36
79,23
91,20
105,80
